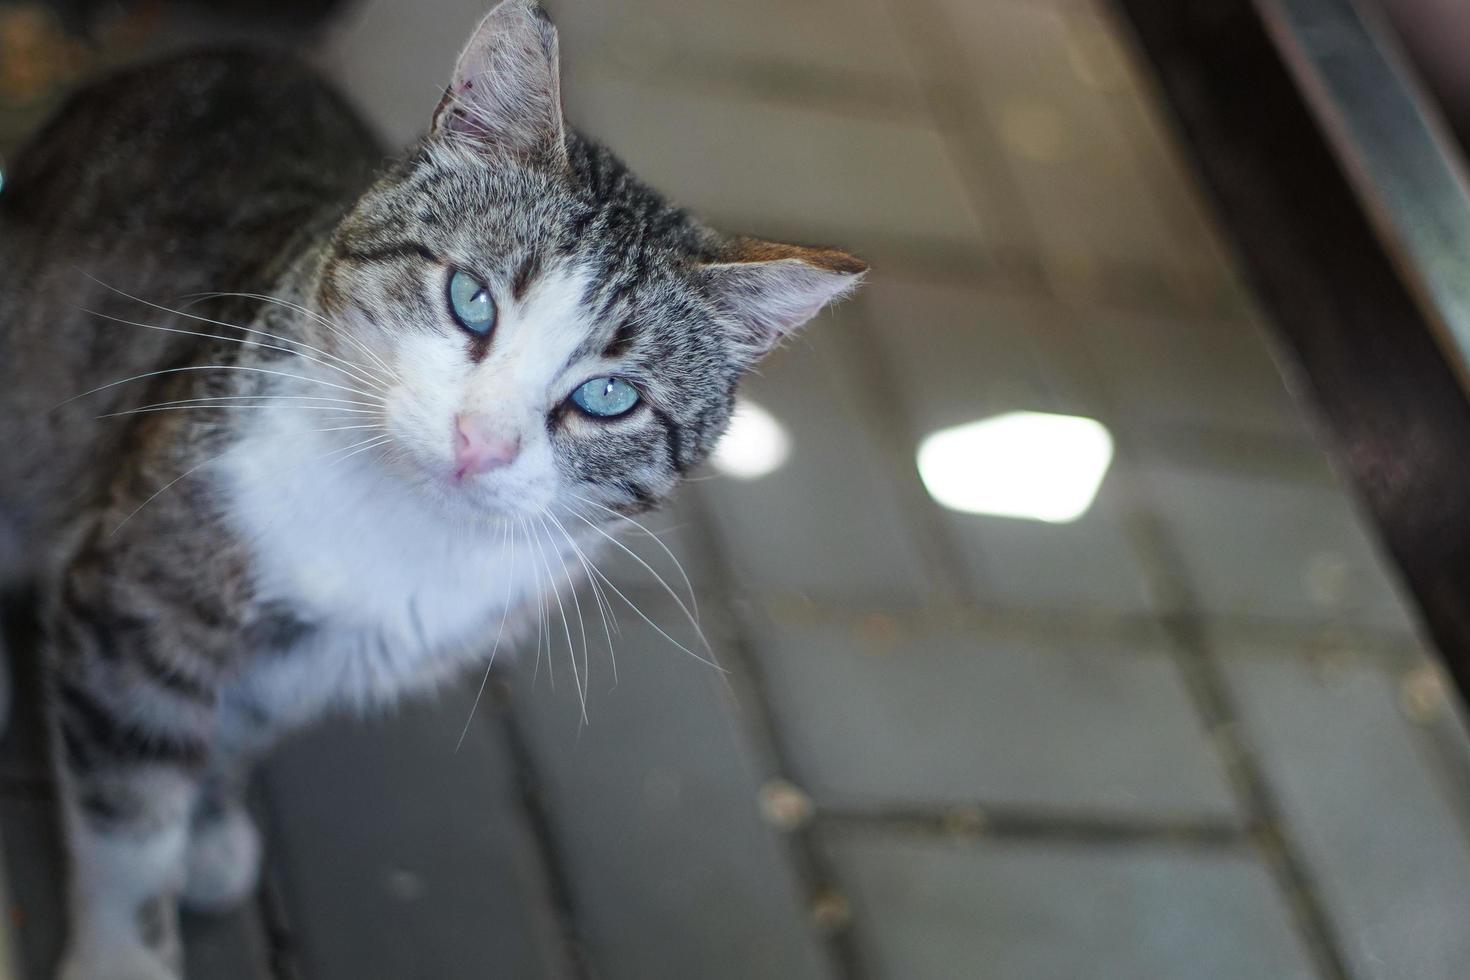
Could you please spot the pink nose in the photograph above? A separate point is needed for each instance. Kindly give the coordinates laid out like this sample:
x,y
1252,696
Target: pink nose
x,y
477,452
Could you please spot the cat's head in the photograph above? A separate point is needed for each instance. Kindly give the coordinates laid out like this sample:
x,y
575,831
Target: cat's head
x,y
553,332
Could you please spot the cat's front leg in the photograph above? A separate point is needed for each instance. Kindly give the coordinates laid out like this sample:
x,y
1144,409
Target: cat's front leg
x,y
223,864
127,830
133,731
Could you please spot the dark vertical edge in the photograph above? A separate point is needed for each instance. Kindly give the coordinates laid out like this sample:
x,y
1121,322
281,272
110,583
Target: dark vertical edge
x,y
1350,331
576,960
815,873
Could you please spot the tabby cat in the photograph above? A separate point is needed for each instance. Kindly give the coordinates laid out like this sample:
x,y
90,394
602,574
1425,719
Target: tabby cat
x,y
339,397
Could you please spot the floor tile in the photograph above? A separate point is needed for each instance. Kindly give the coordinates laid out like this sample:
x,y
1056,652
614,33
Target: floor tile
x,y
783,171
962,352
1387,847
1057,95
845,39
958,355
654,804
1167,374
385,822
231,947
23,755
931,909
34,874
1276,550
895,717
829,522
636,557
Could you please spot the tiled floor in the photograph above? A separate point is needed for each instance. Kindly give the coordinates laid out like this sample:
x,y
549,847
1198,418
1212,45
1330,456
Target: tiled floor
x,y
1190,735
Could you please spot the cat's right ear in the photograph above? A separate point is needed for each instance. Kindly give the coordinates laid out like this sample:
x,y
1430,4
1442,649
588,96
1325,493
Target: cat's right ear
x,y
505,96
771,289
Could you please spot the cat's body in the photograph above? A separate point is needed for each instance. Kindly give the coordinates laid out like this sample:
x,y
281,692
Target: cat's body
x,y
352,477
116,192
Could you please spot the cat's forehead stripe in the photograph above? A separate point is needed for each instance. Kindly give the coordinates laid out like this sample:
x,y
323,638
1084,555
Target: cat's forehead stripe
x,y
622,340
525,272
389,252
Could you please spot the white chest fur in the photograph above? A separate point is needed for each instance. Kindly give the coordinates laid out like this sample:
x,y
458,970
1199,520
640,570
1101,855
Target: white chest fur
x,y
400,594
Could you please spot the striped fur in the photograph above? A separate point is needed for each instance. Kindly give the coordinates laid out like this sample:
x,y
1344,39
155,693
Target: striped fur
x,y
267,520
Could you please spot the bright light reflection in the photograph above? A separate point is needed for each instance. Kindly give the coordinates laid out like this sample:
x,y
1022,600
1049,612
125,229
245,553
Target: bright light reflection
x,y
1030,465
754,446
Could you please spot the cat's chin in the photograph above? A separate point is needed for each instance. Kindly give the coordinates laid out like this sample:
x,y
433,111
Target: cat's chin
x,y
470,506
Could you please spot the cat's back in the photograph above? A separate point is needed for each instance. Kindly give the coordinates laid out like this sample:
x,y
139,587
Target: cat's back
x,y
202,173
201,152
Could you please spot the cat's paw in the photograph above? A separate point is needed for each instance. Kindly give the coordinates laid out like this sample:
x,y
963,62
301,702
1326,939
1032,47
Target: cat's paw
x,y
115,963
224,861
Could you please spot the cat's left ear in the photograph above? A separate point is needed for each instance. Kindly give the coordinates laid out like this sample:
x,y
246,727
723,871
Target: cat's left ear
x,y
772,289
505,95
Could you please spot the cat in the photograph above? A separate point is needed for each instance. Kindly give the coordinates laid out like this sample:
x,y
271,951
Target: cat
x,y
288,427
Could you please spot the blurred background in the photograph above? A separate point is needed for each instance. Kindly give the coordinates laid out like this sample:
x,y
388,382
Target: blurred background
x,y
1055,646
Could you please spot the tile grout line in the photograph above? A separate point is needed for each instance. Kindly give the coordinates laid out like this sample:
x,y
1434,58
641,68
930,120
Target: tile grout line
x,y
861,360
1167,580
1216,707
575,956
1039,825
1273,640
281,947
280,942
1164,572
815,873
1290,640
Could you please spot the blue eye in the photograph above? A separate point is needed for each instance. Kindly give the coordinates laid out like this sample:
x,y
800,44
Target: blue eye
x,y
605,397
471,303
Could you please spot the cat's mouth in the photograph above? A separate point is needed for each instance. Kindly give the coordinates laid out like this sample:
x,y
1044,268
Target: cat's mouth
x,y
502,493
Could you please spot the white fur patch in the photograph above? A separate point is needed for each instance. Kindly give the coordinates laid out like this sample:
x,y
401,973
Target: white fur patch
x,y
112,875
406,573
524,375
223,862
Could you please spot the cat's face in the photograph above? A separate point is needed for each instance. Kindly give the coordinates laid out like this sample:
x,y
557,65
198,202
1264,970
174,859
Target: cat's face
x,y
549,331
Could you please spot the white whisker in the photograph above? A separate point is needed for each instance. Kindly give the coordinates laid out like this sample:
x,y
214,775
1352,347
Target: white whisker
x,y
659,578
209,367
336,328
324,400
371,444
602,610
186,406
362,379
154,496
540,606
658,629
576,606
566,625
199,466
505,613
344,428
693,599
364,375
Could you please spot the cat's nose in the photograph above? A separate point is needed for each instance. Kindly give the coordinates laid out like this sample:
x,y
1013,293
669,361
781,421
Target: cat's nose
x,y
477,451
